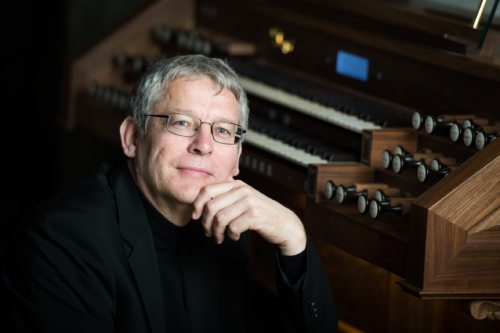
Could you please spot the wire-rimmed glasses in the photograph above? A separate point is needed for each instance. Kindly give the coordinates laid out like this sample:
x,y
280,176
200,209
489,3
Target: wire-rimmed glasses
x,y
184,125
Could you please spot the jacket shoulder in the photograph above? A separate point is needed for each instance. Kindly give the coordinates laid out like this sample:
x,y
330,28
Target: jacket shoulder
x,y
83,213
91,199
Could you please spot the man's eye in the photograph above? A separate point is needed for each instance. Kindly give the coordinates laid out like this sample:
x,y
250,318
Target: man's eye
x,y
223,131
181,123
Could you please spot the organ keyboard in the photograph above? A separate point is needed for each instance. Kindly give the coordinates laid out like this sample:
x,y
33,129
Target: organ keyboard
x,y
327,105
310,125
328,114
282,150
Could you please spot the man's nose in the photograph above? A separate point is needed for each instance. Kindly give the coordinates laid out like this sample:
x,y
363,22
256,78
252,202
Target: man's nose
x,y
203,141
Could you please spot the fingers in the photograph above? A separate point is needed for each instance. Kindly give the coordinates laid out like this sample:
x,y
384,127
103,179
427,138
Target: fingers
x,y
232,219
220,206
209,193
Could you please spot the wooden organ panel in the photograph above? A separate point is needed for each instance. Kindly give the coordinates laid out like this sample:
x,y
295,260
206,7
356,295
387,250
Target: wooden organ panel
x,y
95,67
459,235
315,133
397,64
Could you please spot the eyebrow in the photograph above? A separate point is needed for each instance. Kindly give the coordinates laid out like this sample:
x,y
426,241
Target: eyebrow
x,y
190,113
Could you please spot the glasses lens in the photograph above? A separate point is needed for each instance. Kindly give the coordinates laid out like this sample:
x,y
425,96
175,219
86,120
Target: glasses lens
x,y
224,132
182,124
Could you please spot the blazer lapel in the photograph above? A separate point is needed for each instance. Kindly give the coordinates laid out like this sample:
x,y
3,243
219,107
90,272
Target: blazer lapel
x,y
139,245
144,266
199,269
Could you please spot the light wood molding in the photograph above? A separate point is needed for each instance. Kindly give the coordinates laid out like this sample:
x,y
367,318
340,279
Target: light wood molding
x,y
455,232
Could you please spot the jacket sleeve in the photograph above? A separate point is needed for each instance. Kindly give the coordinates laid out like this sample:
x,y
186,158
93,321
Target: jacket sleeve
x,y
308,304
55,280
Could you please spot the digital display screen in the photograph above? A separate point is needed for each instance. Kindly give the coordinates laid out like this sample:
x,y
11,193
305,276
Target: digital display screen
x,y
352,65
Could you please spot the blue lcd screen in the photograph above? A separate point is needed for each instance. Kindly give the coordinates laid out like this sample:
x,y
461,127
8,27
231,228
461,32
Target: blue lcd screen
x,y
352,65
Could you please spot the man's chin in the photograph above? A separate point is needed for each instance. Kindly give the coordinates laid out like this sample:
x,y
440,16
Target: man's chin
x,y
188,196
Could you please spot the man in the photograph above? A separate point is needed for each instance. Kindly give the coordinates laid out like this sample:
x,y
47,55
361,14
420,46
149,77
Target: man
x,y
154,245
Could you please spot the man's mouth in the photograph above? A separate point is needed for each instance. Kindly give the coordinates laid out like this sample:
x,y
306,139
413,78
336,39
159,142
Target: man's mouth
x,y
195,171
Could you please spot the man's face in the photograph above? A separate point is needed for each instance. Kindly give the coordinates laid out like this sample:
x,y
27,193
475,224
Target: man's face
x,y
172,169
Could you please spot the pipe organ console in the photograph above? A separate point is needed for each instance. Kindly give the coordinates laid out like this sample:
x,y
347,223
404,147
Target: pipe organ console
x,y
376,126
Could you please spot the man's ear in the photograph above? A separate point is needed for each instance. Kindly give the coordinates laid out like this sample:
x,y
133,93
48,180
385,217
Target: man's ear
x,y
128,136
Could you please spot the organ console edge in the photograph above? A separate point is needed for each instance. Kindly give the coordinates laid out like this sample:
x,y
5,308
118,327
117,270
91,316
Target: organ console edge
x,y
450,229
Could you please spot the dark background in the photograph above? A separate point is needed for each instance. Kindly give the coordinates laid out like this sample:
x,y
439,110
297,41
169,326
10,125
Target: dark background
x,y
40,39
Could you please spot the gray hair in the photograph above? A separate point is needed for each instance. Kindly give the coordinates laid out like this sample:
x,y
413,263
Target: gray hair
x,y
153,84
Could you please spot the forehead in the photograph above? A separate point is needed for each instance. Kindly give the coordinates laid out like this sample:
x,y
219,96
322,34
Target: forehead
x,y
199,96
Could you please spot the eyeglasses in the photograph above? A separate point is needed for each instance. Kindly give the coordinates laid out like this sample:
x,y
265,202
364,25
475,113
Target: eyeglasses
x,y
184,125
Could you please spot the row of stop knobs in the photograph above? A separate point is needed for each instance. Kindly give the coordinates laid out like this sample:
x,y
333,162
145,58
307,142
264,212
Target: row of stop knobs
x,y
469,129
374,199
430,166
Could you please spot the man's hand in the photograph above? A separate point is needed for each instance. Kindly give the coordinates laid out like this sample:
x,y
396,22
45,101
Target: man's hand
x,y
238,207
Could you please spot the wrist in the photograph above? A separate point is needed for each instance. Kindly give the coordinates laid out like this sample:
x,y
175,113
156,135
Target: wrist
x,y
294,246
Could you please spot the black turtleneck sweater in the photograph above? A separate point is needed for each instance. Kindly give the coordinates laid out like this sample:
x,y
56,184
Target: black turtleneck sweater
x,y
168,239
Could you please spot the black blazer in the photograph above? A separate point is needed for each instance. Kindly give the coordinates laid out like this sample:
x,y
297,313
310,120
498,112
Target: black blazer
x,y
87,263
